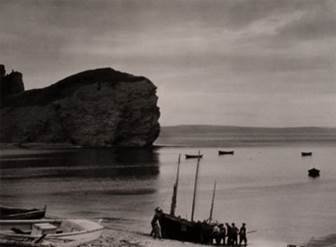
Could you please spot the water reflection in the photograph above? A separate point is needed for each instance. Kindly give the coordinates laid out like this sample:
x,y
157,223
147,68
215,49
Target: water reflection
x,y
119,162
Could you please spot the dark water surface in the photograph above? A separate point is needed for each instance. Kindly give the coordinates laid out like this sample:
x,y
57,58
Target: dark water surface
x,y
265,186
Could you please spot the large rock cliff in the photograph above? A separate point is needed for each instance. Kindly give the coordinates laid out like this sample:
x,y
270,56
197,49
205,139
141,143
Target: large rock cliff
x,y
97,108
10,84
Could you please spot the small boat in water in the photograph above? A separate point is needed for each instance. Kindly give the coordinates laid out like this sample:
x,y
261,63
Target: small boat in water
x,y
313,172
220,152
48,232
194,156
306,153
11,213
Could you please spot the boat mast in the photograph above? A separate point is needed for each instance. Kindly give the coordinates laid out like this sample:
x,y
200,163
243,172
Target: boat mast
x,y
212,202
173,202
195,187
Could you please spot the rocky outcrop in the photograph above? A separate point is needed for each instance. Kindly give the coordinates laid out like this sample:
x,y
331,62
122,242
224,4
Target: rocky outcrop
x,y
99,108
10,84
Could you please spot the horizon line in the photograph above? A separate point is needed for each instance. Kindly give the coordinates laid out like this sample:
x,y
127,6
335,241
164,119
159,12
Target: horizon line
x,y
248,126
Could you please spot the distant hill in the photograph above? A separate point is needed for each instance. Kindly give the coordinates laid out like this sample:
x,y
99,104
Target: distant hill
x,y
212,135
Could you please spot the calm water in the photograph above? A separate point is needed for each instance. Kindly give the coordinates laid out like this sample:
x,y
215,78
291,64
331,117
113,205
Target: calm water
x,y
266,187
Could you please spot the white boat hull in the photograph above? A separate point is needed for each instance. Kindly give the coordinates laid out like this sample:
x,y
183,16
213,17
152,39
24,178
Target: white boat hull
x,y
80,231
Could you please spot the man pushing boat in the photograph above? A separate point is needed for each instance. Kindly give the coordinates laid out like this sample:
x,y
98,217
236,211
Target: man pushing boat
x,y
156,228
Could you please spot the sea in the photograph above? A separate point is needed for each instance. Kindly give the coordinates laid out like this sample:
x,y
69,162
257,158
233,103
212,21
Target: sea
x,y
264,186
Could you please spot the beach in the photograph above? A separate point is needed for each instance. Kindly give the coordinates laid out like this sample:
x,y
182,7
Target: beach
x,y
119,238
116,238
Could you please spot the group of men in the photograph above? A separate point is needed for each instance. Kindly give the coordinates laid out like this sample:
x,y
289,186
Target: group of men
x,y
221,235
228,234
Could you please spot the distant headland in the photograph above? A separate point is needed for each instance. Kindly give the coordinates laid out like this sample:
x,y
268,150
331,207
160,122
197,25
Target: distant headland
x,y
96,108
216,135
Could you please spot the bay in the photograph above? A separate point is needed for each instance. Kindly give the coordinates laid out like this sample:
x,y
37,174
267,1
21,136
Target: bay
x,y
265,186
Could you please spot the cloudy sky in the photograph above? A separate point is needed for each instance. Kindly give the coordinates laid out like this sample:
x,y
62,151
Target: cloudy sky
x,y
228,62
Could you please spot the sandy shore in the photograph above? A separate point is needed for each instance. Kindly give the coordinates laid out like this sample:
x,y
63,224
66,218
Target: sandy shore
x,y
116,238
120,238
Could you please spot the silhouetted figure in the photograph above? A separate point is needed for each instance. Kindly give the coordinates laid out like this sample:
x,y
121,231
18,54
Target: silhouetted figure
x,y
242,235
222,233
234,231
229,234
156,228
215,234
2,71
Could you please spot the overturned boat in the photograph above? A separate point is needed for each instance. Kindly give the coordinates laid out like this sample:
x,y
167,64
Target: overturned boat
x,y
12,213
175,227
48,232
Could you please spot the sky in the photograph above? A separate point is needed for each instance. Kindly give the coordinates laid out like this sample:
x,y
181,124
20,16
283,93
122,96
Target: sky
x,y
222,62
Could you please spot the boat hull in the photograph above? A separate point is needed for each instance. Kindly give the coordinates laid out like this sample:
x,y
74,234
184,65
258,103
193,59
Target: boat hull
x,y
314,173
192,156
79,232
225,152
8,213
184,230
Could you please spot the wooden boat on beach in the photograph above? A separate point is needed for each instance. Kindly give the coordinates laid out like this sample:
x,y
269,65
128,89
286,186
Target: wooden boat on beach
x,y
221,152
306,153
11,213
48,232
193,156
175,227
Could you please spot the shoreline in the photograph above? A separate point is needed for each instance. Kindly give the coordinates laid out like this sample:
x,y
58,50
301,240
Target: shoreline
x,y
115,238
46,145
68,146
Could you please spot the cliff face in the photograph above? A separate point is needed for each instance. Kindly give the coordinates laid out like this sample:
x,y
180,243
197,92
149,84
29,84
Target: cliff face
x,y
9,84
101,107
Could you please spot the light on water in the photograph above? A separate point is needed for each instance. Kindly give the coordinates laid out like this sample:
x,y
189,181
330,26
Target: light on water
x,y
266,187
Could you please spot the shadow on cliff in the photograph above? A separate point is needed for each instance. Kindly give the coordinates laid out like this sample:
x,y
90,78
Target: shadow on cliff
x,y
140,163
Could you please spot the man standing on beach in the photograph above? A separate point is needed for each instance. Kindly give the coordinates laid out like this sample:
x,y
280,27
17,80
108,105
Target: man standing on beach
x,y
242,235
234,231
229,234
156,228
222,233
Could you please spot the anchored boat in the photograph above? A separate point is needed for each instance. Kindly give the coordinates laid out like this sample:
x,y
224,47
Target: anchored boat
x,y
194,156
306,153
9,213
48,232
221,152
313,172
